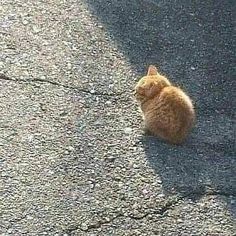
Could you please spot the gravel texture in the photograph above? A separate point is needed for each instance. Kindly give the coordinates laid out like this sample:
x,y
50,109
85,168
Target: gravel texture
x,y
73,156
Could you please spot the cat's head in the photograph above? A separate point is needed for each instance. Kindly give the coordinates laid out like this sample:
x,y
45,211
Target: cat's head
x,y
150,85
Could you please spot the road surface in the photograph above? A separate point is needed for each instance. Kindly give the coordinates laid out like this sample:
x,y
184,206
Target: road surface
x,y
73,157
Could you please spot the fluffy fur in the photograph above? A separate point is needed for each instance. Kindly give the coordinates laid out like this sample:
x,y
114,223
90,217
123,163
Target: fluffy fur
x,y
167,111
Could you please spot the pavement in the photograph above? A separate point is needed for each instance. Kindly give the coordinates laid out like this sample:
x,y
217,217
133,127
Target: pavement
x,y
74,159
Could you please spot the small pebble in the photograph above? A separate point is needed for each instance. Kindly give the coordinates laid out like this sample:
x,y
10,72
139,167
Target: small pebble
x,y
128,130
145,191
29,217
161,195
25,22
84,226
69,66
108,102
9,231
179,220
70,148
30,138
36,29
110,158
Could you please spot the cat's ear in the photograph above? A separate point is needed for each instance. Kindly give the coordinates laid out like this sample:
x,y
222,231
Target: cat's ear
x,y
152,70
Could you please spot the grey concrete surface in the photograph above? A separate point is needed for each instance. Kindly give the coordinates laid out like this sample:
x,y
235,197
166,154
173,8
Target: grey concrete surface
x,y
73,156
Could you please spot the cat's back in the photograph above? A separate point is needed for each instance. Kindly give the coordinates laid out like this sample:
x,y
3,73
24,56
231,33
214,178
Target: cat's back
x,y
176,98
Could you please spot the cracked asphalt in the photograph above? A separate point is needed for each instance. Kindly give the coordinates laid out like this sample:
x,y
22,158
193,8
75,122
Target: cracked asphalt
x,y
73,157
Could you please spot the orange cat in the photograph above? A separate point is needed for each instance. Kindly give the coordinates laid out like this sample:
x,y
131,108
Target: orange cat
x,y
167,111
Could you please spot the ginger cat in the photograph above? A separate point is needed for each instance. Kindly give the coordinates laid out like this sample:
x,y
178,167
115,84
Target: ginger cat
x,y
167,111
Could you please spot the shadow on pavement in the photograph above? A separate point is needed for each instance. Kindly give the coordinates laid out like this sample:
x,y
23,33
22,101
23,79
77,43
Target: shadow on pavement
x,y
192,42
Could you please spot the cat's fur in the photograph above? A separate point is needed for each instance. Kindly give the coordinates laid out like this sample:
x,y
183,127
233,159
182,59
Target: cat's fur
x,y
167,111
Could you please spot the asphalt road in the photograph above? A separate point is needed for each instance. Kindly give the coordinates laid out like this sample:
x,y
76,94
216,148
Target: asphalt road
x,y
73,156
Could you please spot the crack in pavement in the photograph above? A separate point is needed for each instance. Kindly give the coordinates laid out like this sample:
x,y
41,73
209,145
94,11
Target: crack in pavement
x,y
193,195
4,77
96,225
160,211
